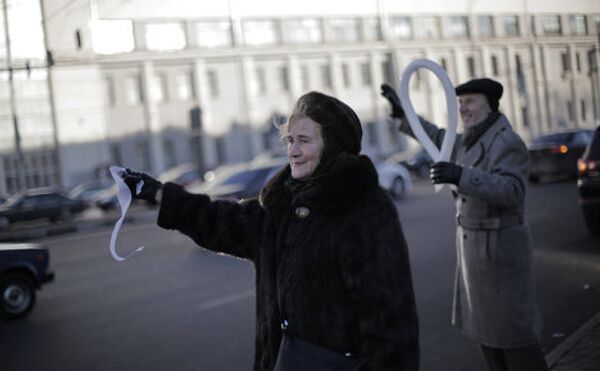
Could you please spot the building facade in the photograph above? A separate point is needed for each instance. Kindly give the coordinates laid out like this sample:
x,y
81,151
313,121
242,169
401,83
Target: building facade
x,y
150,86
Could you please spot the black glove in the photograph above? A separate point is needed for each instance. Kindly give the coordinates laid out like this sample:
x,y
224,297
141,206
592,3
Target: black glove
x,y
149,189
390,94
445,172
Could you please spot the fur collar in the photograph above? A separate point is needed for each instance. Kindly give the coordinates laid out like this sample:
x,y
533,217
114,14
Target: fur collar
x,y
348,181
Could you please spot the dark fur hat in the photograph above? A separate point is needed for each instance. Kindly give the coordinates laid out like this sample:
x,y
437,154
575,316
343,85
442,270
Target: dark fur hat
x,y
340,126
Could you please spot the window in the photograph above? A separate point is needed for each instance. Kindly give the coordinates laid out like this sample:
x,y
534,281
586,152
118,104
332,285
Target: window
x,y
565,62
184,84
578,61
597,22
511,25
261,80
257,33
25,30
346,75
372,29
387,70
165,36
304,31
213,83
570,111
583,111
401,28
365,73
78,42
471,66
158,88
326,76
427,27
133,90
284,79
344,29
485,26
578,24
444,64
458,27
112,36
213,34
495,65
305,77
109,86
551,25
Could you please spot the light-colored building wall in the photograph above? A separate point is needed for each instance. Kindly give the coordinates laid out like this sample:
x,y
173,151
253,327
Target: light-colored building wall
x,y
240,86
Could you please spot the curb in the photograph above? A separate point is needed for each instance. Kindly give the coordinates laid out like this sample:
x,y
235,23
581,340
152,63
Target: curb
x,y
572,341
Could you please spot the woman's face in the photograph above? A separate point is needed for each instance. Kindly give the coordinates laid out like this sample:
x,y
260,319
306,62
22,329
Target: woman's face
x,y
305,146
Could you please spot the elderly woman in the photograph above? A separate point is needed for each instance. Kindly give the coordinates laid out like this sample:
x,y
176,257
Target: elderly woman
x,y
331,261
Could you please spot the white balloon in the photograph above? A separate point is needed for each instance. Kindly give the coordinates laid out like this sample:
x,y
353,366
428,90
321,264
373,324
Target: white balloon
x,y
414,122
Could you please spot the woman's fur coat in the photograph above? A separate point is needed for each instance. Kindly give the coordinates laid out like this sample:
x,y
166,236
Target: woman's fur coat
x,y
333,254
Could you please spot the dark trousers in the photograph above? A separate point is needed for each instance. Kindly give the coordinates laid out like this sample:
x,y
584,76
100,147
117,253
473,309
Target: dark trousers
x,y
529,358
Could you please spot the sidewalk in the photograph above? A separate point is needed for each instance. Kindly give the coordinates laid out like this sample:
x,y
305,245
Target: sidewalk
x,y
579,352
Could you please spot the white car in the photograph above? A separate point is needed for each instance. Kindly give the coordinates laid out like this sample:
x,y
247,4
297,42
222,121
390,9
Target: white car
x,y
394,178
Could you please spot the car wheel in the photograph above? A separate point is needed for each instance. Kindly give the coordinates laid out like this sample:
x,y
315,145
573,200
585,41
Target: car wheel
x,y
592,221
17,295
398,188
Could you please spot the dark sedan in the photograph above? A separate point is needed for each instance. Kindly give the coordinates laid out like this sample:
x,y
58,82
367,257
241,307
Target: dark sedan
x,y
39,204
239,181
588,183
555,155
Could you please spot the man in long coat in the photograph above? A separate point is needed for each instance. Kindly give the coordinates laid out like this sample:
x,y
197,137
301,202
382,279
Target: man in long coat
x,y
494,296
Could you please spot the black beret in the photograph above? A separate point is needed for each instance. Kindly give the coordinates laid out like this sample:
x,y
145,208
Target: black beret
x,y
490,88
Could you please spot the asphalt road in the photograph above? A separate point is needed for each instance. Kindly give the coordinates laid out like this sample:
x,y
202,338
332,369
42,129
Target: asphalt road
x,y
178,307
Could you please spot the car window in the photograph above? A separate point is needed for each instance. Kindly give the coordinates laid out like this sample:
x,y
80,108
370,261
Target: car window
x,y
30,201
582,138
593,151
243,177
558,138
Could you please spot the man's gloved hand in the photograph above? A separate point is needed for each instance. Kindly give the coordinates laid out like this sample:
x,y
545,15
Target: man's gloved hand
x,y
445,172
390,94
149,189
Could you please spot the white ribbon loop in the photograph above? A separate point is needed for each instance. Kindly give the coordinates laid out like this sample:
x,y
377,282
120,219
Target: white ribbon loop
x,y
124,197
436,154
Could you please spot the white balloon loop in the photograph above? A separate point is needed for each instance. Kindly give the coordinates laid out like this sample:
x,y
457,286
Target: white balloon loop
x,y
436,153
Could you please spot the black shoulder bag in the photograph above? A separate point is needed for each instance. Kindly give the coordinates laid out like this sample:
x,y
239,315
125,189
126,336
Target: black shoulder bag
x,y
298,355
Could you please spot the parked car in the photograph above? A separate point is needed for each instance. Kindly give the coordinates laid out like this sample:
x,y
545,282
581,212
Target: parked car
x,y
87,190
23,269
417,162
184,174
588,183
394,178
42,203
556,154
239,181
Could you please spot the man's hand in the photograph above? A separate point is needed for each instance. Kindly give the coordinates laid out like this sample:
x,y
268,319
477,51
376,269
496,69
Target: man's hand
x,y
390,94
445,172
149,189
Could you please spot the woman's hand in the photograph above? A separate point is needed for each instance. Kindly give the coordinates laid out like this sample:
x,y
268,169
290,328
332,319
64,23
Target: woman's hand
x,y
149,189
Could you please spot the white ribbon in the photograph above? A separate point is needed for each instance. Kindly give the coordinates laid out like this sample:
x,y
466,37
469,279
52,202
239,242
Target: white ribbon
x,y
124,197
436,154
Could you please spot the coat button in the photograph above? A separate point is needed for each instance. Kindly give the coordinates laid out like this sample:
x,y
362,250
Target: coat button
x,y
302,212
465,236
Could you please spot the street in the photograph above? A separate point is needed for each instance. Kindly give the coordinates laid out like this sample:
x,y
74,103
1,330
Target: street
x,y
178,307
